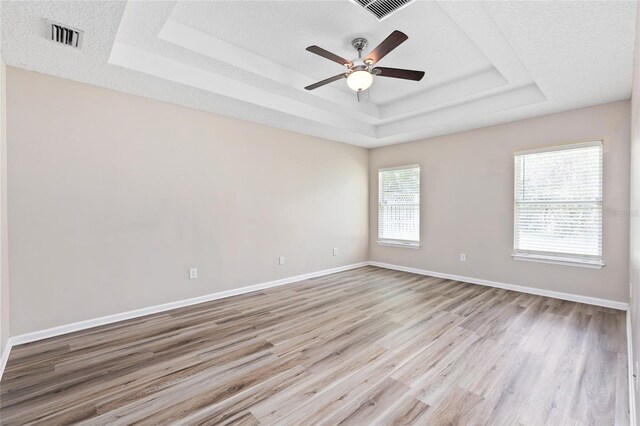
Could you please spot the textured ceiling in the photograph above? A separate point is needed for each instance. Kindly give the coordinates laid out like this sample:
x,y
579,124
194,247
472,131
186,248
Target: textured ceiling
x,y
485,62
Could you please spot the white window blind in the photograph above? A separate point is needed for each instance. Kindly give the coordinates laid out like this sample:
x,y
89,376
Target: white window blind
x,y
558,203
399,204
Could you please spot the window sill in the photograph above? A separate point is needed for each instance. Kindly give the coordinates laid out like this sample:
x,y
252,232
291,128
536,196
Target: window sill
x,y
404,244
558,260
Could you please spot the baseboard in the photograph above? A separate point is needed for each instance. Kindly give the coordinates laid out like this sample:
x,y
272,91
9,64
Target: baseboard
x,y
5,357
632,391
84,325
530,290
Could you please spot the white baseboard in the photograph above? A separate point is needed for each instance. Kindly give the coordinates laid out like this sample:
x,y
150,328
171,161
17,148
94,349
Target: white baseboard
x,y
632,391
84,325
5,356
522,289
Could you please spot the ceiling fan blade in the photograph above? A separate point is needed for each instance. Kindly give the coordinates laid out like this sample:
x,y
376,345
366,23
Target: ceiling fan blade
x,y
326,81
399,73
326,54
394,40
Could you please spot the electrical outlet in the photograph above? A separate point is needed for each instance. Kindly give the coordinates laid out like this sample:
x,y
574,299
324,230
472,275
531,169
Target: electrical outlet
x,y
281,260
463,257
335,251
193,273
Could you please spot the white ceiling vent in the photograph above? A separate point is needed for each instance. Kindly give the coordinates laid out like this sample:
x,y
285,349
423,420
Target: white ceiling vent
x,y
64,34
382,9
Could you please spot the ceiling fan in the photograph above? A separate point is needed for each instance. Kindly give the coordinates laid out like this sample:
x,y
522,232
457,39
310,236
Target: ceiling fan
x,y
360,71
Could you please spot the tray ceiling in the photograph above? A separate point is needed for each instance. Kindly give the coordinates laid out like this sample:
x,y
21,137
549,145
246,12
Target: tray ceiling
x,y
486,62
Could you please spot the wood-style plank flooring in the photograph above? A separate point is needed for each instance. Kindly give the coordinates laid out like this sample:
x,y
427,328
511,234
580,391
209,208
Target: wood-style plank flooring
x,y
366,346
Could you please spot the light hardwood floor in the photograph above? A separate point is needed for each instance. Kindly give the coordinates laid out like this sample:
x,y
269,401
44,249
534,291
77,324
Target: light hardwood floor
x,y
367,346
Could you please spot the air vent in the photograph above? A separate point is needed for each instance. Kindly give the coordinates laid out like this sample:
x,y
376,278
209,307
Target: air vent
x,y
65,35
382,9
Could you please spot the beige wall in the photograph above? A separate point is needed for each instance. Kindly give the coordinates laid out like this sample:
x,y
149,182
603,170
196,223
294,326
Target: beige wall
x,y
467,201
4,264
113,197
635,204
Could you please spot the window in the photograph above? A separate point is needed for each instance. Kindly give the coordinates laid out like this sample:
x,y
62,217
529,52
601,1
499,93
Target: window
x,y
558,205
399,206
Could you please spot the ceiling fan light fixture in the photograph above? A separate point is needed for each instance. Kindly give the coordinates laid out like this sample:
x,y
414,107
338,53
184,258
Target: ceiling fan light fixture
x,y
360,80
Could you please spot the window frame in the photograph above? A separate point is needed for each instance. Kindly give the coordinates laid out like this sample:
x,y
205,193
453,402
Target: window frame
x,y
411,244
560,258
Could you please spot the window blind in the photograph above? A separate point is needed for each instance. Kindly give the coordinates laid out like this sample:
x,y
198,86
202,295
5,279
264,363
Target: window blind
x,y
399,204
558,202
